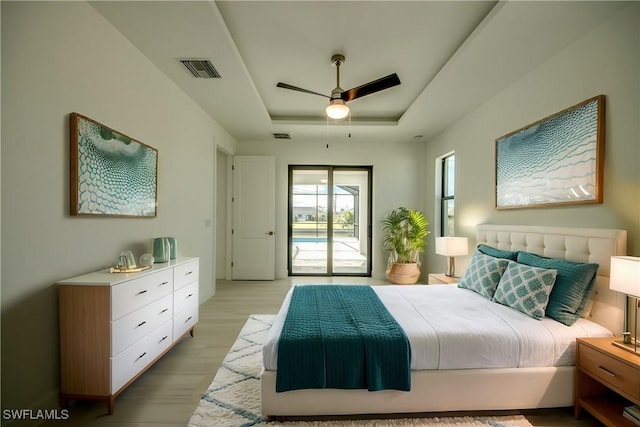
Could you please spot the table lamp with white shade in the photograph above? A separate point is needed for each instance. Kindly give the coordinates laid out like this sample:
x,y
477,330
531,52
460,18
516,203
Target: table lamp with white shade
x,y
625,278
451,247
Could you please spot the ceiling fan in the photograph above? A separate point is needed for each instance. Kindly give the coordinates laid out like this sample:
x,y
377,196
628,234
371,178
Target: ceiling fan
x,y
337,108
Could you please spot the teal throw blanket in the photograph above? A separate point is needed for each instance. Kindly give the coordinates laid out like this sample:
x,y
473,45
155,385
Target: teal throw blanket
x,y
339,336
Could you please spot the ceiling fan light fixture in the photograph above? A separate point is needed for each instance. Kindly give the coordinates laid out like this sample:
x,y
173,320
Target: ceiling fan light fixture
x,y
337,109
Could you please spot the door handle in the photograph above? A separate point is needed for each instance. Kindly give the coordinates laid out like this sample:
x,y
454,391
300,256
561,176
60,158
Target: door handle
x,y
270,233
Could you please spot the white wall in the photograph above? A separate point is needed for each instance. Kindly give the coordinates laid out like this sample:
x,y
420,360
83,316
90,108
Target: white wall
x,y
604,61
63,57
397,172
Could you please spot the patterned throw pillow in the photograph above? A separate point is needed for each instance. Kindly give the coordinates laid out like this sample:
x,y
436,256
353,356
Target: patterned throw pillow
x,y
574,285
526,288
483,274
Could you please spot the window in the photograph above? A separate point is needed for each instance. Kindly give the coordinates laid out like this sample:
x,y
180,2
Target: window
x,y
447,211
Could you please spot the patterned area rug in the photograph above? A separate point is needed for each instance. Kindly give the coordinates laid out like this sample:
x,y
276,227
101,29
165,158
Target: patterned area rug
x,y
233,398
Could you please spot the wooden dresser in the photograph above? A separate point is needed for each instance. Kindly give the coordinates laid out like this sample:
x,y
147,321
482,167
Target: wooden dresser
x,y
113,326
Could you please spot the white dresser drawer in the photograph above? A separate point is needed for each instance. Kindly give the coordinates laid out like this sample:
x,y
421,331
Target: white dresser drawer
x,y
185,320
134,326
185,297
133,294
184,274
134,359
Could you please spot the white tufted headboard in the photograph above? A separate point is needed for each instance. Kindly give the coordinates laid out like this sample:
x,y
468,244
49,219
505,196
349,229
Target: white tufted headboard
x,y
573,244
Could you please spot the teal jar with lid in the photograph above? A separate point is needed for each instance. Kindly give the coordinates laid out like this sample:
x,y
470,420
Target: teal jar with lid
x,y
173,247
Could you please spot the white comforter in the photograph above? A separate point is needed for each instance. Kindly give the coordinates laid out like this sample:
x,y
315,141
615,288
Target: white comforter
x,y
453,328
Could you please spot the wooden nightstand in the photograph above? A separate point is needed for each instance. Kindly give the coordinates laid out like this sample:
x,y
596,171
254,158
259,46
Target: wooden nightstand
x,y
442,279
607,380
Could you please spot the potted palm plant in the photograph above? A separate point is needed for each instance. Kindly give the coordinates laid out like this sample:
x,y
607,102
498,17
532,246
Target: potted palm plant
x,y
405,230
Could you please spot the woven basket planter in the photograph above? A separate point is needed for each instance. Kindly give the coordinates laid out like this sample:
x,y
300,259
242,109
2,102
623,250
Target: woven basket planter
x,y
403,274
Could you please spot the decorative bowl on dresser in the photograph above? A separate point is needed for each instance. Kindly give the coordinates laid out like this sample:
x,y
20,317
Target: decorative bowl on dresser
x,y
113,327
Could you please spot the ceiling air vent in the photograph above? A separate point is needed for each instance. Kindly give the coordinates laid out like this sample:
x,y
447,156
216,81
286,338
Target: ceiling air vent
x,y
281,135
201,68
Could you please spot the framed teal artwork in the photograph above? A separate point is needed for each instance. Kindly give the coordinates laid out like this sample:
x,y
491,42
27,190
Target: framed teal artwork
x,y
557,160
111,174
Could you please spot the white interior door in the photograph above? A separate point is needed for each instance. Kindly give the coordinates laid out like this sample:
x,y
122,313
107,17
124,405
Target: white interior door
x,y
254,194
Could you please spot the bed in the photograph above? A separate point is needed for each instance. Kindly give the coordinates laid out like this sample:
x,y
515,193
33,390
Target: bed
x,y
443,386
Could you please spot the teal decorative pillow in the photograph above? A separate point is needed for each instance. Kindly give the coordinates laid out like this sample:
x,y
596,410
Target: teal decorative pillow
x,y
525,289
573,287
483,274
497,253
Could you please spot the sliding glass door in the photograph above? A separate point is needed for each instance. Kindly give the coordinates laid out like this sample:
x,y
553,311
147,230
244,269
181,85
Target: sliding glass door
x,y
329,220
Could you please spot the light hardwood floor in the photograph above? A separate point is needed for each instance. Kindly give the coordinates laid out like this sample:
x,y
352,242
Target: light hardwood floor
x,y
168,393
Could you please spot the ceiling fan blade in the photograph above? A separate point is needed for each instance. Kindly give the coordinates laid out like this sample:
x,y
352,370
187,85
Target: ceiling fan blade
x,y
368,88
299,89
